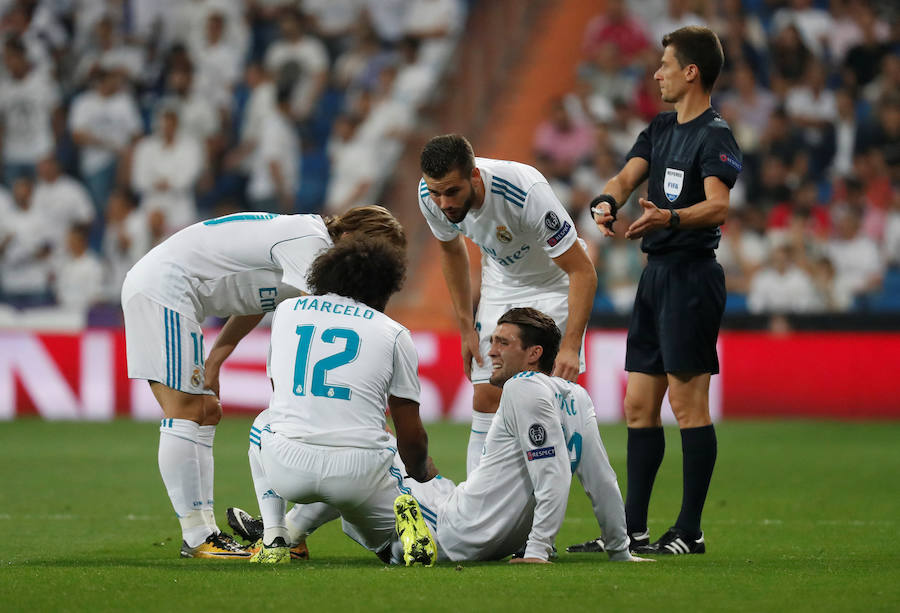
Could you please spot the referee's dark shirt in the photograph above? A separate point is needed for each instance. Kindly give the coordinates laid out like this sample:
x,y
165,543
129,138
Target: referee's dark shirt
x,y
681,156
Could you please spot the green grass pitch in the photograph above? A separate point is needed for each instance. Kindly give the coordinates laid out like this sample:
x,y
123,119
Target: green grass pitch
x,y
801,516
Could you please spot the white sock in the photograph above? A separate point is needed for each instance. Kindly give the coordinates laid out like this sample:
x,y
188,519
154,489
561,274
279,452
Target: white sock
x,y
271,505
303,519
180,470
481,423
205,437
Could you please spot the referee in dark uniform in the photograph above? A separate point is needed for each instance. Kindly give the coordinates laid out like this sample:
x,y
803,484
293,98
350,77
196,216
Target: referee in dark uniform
x,y
690,161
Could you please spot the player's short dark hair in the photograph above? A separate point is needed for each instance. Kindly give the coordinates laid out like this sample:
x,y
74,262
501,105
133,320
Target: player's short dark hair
x,y
444,154
699,46
535,328
366,269
371,220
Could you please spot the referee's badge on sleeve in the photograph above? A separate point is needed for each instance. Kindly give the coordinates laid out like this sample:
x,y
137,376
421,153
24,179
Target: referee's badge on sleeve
x,y
673,182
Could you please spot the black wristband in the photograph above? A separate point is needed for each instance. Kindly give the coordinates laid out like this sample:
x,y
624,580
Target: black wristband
x,y
674,220
613,207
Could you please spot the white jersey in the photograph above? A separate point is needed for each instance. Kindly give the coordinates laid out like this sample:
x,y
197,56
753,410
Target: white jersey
x,y
519,228
333,363
239,264
544,430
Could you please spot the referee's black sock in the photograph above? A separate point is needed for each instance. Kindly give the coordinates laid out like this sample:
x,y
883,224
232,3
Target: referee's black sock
x,y
698,447
646,447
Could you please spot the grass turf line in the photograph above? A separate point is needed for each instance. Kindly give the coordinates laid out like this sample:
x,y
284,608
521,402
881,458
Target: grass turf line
x,y
802,516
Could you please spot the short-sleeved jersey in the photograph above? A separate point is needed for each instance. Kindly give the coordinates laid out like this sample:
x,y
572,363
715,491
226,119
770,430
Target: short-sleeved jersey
x,y
543,429
681,156
520,227
239,264
333,363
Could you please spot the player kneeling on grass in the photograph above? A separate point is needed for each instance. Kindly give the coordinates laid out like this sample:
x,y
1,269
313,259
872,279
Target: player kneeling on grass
x,y
544,431
336,360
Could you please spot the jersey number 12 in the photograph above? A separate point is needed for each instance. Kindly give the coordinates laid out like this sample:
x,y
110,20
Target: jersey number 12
x,y
318,385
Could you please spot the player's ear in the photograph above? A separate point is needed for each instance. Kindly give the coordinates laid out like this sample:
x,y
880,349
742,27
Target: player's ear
x,y
534,353
691,72
476,174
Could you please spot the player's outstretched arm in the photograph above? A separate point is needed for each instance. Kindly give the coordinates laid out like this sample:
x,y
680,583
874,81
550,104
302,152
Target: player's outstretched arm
x,y
412,440
455,266
582,285
236,328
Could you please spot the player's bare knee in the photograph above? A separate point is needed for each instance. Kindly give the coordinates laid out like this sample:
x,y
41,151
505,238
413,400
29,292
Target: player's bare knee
x,y
640,413
690,412
486,398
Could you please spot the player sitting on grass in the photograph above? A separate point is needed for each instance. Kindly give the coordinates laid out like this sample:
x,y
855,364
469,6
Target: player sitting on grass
x,y
544,431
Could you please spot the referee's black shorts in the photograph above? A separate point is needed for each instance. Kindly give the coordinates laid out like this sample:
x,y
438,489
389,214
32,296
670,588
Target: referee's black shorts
x,y
677,314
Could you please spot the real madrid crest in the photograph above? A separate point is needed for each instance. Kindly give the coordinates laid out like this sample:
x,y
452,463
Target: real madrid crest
x,y
504,235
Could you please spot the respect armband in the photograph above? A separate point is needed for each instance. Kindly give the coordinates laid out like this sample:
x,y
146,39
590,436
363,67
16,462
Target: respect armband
x,y
613,208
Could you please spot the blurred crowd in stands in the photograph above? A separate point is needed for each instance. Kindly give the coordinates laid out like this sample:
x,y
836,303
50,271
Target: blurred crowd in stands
x,y
122,121
811,90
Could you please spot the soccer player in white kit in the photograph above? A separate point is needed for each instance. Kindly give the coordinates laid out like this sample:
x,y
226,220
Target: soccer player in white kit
x,y
336,361
238,266
531,255
544,431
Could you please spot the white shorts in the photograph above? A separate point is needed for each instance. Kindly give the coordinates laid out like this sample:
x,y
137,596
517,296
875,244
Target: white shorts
x,y
554,305
163,345
361,484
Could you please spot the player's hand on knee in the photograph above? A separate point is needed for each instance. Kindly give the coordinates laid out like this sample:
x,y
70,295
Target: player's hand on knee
x,y
470,350
566,365
211,377
529,561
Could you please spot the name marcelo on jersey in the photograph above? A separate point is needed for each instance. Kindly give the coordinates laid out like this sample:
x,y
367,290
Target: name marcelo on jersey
x,y
335,308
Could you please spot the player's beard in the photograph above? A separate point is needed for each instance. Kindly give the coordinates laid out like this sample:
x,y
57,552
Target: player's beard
x,y
458,214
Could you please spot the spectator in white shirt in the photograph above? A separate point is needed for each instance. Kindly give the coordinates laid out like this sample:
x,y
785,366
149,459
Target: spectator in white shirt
x,y
892,231
78,280
108,51
165,168
29,104
782,287
353,164
126,240
61,200
25,252
275,160
435,23
855,256
218,62
301,59
743,248
333,21
104,121
833,295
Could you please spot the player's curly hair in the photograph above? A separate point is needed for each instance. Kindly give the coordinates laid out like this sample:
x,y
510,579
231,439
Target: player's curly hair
x,y
699,46
535,328
444,154
366,269
372,220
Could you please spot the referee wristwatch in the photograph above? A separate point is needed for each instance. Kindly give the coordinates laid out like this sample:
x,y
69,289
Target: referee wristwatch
x,y
674,220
